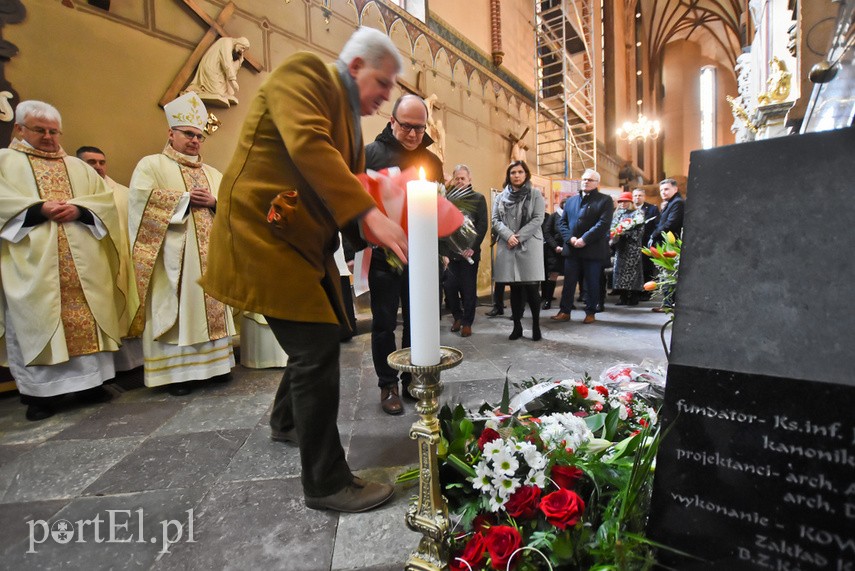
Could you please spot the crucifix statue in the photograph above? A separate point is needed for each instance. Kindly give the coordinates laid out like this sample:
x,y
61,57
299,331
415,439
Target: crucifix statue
x,y
518,146
216,31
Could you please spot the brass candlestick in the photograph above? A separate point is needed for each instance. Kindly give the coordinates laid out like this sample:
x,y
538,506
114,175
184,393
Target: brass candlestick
x,y
427,514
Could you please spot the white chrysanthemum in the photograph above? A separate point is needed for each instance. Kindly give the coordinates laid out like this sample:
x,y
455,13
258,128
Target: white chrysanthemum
x,y
536,478
534,458
505,462
570,430
496,503
494,447
483,477
651,414
595,396
505,486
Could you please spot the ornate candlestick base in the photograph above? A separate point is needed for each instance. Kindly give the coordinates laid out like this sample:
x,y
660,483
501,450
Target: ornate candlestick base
x,y
428,514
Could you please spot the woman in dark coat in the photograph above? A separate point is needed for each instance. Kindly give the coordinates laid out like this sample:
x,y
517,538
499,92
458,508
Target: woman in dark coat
x,y
626,234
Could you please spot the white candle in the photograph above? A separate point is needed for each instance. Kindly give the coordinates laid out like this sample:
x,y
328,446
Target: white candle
x,y
424,271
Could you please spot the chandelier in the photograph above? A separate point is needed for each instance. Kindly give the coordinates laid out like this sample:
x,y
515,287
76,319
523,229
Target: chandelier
x,y
642,129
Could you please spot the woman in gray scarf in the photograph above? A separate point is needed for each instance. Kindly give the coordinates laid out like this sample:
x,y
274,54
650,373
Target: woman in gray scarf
x,y
517,218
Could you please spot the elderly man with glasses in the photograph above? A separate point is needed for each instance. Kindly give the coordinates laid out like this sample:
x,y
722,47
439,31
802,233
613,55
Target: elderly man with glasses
x,y
403,143
60,319
584,227
186,333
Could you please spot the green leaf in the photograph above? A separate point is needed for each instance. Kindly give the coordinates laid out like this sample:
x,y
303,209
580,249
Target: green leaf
x,y
611,424
596,421
505,405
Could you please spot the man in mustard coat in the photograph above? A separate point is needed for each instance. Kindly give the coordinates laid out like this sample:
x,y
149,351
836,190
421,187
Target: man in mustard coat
x,y
299,147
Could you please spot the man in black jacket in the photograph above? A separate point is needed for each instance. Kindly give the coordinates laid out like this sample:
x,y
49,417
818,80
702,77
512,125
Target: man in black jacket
x,y
403,143
461,279
584,226
670,220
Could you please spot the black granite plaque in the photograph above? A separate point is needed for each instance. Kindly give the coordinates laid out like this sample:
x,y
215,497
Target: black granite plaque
x,y
757,470
767,273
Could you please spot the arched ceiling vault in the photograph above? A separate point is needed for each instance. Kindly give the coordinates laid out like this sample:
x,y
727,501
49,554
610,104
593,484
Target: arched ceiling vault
x,y
696,20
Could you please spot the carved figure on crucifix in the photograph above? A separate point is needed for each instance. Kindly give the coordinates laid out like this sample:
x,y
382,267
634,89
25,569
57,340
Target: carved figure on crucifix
x,y
216,76
435,129
518,147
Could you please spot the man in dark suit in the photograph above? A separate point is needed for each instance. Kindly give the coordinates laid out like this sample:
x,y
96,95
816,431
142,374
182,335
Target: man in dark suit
x,y
670,220
461,280
584,227
651,216
402,143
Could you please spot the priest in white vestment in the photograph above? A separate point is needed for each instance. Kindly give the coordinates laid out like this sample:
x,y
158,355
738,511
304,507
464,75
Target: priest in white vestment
x,y
186,333
130,355
59,262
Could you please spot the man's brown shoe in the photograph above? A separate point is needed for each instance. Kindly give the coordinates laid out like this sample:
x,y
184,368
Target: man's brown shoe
x,y
657,309
561,316
589,319
390,401
455,327
289,436
358,496
466,331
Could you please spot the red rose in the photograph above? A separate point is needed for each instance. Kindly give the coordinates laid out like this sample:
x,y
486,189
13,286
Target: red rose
x,y
523,503
566,476
562,508
486,437
602,390
582,391
502,541
472,554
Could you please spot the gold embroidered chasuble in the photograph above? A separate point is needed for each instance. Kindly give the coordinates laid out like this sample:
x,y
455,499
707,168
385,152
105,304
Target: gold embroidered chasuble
x,y
59,280
126,274
170,251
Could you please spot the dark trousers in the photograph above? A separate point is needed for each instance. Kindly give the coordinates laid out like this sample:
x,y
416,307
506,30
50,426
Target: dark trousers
x,y
389,289
461,281
590,272
499,295
307,400
347,330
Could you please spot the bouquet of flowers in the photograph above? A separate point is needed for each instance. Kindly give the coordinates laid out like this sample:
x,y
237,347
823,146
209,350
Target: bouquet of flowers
x,y
562,482
464,199
388,188
626,223
666,256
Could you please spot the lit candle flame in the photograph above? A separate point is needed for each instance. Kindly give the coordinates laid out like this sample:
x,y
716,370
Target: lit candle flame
x,y
421,173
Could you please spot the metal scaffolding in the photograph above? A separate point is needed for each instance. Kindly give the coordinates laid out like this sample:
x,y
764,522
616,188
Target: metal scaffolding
x,y
566,126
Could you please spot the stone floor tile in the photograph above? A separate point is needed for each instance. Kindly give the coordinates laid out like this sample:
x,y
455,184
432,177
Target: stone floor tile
x,y
121,419
213,412
63,468
256,525
120,542
17,520
382,442
384,529
16,429
172,461
260,458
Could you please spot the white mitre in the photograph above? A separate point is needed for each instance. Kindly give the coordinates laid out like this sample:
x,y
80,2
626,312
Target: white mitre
x,y
187,110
